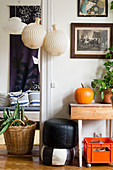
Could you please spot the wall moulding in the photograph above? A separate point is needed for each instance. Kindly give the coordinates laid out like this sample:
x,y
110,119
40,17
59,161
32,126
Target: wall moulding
x,y
45,69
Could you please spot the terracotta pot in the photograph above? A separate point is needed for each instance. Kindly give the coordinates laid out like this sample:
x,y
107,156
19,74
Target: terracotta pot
x,y
107,95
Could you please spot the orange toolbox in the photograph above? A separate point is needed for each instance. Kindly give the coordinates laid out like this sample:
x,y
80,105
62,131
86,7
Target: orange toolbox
x,y
98,150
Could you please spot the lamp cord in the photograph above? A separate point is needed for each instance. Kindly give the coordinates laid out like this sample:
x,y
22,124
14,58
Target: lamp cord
x,y
53,11
41,11
15,11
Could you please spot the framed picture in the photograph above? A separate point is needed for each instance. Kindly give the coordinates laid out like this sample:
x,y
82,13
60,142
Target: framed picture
x,y
91,40
92,8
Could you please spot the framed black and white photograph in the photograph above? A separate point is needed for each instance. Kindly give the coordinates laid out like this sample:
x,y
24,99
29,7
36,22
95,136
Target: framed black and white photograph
x,y
90,40
92,8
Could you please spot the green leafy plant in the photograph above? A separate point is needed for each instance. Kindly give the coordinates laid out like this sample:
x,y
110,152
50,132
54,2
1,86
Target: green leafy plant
x,y
111,5
107,81
8,118
110,53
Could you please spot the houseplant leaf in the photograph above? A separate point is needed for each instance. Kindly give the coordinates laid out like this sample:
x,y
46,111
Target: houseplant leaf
x,y
102,95
93,85
108,55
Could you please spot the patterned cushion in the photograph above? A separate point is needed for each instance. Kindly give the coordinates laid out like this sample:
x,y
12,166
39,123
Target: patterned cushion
x,y
34,98
21,97
4,100
54,156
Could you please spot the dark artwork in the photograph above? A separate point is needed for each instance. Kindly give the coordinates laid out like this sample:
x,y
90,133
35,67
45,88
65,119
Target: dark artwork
x,y
26,13
24,74
91,40
92,8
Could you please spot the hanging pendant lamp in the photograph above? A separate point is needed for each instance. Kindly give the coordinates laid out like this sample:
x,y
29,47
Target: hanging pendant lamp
x,y
33,35
56,42
14,26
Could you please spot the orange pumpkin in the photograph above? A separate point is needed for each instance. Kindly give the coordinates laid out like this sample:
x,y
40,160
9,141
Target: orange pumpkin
x,y
84,95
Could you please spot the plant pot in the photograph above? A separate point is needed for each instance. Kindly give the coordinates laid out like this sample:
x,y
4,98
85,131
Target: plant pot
x,y
19,139
107,95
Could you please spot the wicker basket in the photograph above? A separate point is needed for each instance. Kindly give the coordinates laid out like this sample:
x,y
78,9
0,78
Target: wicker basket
x,y
19,139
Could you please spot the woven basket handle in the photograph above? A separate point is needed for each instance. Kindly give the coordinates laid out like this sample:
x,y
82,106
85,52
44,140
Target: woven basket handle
x,y
17,120
26,117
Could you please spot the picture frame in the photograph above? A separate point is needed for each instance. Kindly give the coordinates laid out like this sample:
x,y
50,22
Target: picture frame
x,y
91,40
92,8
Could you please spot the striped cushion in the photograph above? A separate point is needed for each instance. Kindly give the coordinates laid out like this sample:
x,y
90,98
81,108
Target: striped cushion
x,y
21,97
34,98
54,156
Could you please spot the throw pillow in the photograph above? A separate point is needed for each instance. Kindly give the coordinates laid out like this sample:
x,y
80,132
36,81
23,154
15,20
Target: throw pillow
x,y
21,97
4,100
34,98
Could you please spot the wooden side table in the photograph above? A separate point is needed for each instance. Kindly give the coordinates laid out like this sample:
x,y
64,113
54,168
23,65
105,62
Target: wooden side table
x,y
89,112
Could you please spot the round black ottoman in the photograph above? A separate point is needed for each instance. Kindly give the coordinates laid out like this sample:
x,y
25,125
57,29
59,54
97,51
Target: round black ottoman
x,y
54,156
60,133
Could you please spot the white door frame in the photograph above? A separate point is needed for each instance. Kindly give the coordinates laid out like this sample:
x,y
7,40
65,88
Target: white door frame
x,y
45,69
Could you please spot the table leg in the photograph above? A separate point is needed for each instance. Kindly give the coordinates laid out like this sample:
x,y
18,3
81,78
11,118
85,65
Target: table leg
x,y
110,130
80,141
107,128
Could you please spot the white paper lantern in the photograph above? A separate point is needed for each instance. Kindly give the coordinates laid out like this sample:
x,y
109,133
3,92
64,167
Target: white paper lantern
x,y
56,42
33,35
14,26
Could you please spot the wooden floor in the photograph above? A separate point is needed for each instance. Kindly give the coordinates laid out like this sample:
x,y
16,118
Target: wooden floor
x,y
31,162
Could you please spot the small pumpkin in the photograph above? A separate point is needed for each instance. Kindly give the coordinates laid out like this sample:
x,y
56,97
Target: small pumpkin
x,y
84,95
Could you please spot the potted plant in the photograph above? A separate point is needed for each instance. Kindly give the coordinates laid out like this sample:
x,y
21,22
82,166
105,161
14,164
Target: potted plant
x,y
18,132
111,5
105,85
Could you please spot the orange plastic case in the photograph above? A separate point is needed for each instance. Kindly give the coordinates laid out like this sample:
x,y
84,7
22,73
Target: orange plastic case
x,y
93,156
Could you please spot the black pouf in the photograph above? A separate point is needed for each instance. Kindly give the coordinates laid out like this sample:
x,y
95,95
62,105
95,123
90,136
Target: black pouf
x,y
54,156
60,133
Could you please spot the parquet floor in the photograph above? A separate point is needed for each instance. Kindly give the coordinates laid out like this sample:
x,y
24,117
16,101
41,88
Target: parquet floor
x,y
31,162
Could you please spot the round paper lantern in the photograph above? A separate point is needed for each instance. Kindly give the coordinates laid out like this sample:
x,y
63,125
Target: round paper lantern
x,y
56,42
14,26
84,95
33,35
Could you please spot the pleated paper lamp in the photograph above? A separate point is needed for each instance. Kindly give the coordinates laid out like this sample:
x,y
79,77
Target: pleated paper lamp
x,y
33,35
56,42
14,26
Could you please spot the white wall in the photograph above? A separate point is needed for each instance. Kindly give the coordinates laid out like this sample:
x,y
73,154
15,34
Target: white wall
x,y
4,49
68,73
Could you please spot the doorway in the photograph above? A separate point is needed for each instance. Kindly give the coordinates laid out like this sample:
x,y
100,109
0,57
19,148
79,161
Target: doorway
x,y
45,59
